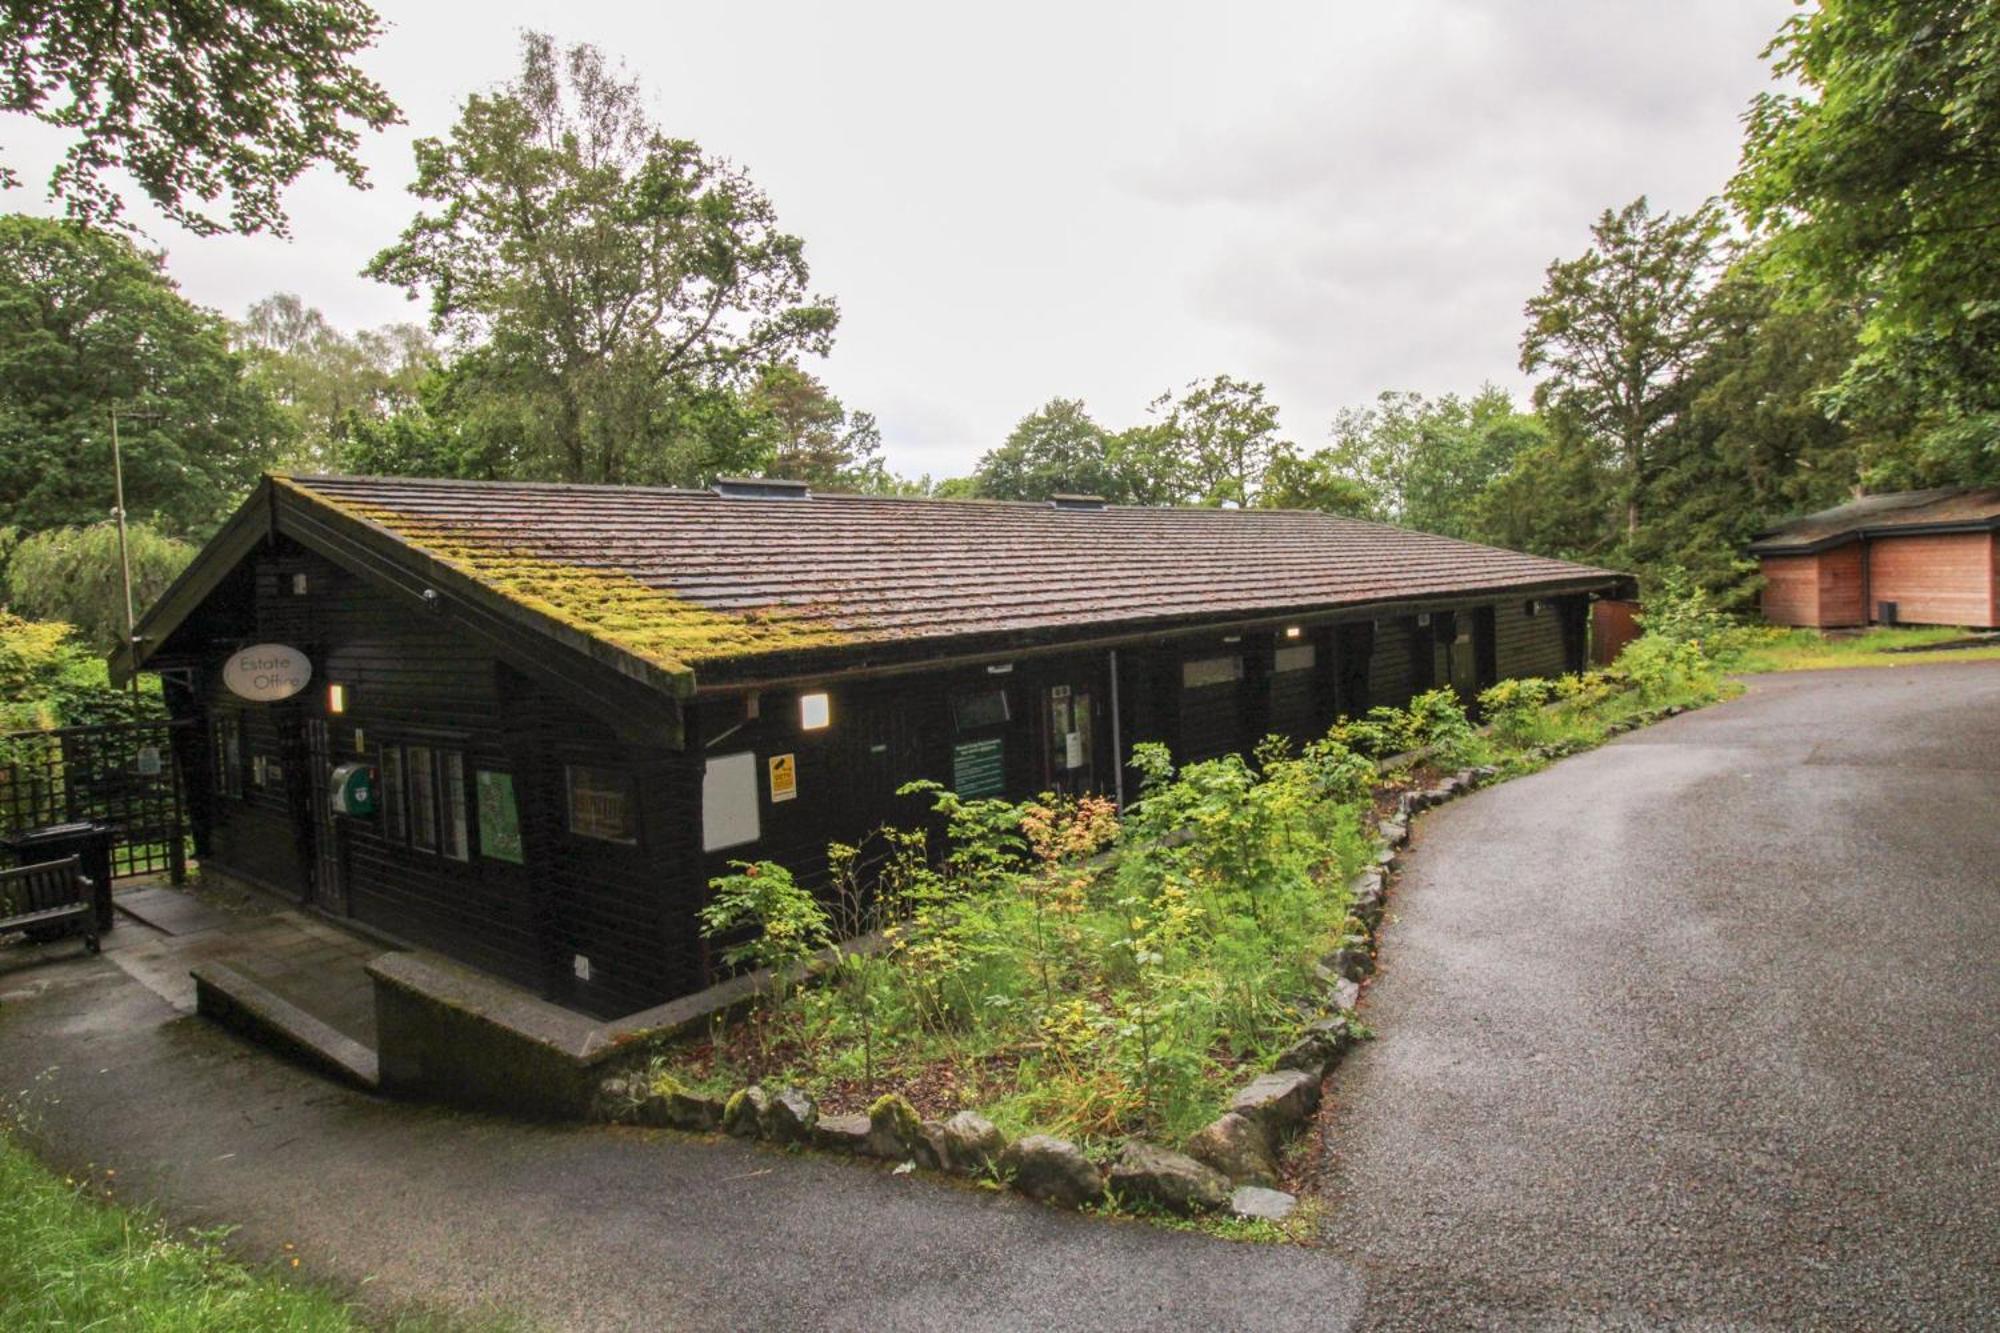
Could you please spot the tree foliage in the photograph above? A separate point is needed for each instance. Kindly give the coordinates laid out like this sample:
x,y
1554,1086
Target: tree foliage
x,y
1874,175
74,575
1614,333
1056,449
1425,462
1216,440
329,383
809,435
89,322
198,101
604,285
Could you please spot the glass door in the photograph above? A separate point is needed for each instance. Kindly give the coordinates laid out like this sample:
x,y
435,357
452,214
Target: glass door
x,y
1069,745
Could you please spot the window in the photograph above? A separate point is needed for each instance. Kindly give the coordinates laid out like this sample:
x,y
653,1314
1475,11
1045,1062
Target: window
x,y
454,836
1206,671
423,799
601,804
729,801
979,708
1299,658
229,755
394,825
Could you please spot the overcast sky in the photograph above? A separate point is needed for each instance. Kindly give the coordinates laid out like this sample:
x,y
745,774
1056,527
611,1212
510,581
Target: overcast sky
x,y
1102,200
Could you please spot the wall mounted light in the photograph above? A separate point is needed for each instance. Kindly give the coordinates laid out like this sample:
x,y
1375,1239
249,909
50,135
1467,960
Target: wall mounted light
x,y
999,668
815,711
1293,631
336,698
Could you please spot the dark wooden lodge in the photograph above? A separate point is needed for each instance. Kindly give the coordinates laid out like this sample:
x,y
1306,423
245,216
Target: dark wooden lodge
x,y
577,704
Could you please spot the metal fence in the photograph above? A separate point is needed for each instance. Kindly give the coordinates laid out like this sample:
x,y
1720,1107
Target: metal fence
x,y
121,774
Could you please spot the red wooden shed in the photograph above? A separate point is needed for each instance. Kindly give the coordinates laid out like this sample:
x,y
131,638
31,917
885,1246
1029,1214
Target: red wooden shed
x,y
1910,558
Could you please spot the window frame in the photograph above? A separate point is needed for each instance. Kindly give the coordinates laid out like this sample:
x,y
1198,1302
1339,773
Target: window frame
x,y
629,785
454,819
423,797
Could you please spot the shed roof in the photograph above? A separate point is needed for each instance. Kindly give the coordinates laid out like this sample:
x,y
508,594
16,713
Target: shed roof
x,y
1946,509
663,584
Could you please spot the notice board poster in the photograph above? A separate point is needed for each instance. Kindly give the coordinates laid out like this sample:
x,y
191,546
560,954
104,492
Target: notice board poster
x,y
978,768
499,817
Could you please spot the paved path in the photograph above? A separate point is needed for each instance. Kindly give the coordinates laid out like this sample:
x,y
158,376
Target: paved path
x,y
1701,1028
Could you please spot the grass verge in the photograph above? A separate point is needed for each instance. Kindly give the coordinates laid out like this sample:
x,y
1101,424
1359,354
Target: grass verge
x,y
70,1261
1766,650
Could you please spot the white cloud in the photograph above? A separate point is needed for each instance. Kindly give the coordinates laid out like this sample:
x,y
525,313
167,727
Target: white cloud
x,y
1107,200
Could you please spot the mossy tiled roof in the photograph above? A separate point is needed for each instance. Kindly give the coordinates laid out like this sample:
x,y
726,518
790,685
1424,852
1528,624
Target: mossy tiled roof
x,y
683,578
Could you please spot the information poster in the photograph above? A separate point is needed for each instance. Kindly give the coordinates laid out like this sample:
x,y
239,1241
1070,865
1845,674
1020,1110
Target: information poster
x,y
978,768
499,817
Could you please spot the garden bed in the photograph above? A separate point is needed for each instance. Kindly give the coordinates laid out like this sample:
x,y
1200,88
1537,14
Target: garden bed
x,y
1066,987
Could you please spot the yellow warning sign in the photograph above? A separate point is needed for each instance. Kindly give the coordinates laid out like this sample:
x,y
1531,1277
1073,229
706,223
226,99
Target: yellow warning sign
x,y
784,777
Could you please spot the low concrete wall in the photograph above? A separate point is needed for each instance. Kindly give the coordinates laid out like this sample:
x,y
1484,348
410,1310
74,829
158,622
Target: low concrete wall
x,y
450,1034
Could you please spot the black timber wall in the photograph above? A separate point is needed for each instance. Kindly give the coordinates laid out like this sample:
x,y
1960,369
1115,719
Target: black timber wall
x,y
411,680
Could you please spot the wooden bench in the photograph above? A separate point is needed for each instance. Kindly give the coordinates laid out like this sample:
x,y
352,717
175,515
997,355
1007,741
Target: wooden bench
x,y
49,901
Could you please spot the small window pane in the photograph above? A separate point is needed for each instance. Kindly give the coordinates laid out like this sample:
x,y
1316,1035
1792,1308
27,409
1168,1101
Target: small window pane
x,y
393,825
979,708
451,791
423,800
601,804
1206,671
1294,659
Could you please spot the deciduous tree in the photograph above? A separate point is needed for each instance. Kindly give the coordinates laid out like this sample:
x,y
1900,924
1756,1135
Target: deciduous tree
x,y
1056,449
612,280
75,575
89,322
201,102
1874,174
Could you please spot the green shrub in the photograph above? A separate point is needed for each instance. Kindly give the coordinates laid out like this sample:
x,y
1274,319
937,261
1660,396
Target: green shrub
x,y
1678,610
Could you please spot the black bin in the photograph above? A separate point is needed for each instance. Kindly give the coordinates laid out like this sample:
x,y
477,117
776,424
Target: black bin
x,y
88,842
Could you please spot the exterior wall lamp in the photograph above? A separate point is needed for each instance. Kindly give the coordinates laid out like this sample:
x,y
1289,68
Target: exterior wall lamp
x,y
815,711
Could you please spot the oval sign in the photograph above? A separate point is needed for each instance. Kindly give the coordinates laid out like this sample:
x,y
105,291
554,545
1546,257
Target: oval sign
x,y
266,672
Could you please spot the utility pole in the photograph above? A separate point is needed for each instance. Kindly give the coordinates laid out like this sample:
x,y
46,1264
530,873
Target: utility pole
x,y
124,555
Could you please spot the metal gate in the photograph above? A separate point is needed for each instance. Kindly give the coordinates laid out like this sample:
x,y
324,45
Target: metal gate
x,y
122,774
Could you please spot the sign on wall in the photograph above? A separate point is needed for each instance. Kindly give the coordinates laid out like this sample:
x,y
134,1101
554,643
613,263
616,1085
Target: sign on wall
x,y
978,768
784,777
499,817
266,672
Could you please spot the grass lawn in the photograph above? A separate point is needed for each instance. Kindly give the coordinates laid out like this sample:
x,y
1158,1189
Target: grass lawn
x,y
69,1261
1806,650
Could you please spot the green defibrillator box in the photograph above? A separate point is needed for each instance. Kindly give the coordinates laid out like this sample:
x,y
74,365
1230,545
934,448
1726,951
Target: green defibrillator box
x,y
354,789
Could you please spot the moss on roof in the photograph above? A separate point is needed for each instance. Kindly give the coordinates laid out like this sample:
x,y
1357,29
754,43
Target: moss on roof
x,y
671,633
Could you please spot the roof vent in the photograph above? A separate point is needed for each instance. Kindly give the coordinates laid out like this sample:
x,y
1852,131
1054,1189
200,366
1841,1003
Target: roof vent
x,y
761,488
1077,501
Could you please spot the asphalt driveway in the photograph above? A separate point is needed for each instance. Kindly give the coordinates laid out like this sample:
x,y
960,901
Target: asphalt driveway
x,y
1701,1028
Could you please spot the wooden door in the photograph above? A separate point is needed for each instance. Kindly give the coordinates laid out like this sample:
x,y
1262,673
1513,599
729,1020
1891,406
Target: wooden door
x,y
329,886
